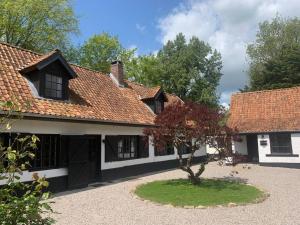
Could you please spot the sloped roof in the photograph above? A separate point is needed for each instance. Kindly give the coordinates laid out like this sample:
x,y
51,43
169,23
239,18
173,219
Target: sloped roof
x,y
151,92
45,60
93,95
143,91
266,111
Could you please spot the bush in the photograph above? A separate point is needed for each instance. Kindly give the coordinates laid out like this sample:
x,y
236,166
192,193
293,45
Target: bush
x,y
21,203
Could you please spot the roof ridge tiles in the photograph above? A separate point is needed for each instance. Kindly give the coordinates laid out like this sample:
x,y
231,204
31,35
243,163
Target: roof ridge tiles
x,y
20,48
44,54
268,90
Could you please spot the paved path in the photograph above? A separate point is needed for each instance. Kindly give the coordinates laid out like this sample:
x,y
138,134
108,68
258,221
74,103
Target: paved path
x,y
115,205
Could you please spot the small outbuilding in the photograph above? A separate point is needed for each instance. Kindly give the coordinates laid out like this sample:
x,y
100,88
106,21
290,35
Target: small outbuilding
x,y
269,126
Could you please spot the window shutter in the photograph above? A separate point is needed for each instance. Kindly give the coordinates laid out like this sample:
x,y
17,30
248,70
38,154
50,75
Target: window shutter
x,y
143,146
111,148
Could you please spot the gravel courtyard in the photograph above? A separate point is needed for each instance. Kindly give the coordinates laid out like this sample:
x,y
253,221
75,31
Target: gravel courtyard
x,y
114,204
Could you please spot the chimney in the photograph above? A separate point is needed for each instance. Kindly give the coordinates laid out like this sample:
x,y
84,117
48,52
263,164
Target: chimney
x,y
117,72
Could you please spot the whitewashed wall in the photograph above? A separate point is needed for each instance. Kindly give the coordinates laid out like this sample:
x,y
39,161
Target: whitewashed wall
x,y
27,176
70,128
264,150
240,146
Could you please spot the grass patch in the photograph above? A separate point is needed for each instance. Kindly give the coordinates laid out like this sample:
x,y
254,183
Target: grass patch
x,y
209,192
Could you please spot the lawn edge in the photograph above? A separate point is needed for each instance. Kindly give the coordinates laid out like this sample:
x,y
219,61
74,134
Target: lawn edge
x,y
265,195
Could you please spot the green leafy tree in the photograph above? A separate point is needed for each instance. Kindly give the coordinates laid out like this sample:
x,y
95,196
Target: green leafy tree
x,y
99,51
71,53
37,24
20,203
274,55
191,70
144,69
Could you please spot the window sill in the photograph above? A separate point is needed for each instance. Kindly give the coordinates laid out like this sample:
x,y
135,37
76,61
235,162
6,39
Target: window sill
x,y
164,155
281,155
46,168
126,159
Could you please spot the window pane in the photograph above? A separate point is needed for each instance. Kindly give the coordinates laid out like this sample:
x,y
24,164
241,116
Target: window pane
x,y
59,80
127,147
58,94
48,92
48,78
53,86
281,143
59,87
48,84
167,150
53,93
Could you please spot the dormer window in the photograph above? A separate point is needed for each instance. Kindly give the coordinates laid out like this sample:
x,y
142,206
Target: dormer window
x,y
53,87
156,102
50,76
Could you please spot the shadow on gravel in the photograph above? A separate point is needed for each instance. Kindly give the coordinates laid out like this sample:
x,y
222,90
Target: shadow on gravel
x,y
108,182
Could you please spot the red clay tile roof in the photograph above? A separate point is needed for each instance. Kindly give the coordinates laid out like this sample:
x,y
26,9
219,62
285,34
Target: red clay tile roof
x,y
143,91
39,59
172,98
93,95
41,62
266,111
150,92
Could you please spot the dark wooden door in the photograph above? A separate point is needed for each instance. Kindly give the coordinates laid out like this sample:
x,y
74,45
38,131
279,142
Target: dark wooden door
x,y
78,169
252,146
94,158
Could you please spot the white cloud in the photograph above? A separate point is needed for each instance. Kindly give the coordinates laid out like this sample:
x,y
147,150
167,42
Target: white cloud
x,y
228,26
140,27
225,97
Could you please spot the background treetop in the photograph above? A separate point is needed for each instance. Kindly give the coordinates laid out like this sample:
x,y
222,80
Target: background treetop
x,y
274,56
37,25
190,69
98,52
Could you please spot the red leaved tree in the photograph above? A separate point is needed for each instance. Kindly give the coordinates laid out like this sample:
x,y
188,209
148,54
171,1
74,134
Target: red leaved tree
x,y
191,125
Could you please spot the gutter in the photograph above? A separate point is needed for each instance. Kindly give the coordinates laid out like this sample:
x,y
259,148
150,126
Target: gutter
x,y
268,132
33,116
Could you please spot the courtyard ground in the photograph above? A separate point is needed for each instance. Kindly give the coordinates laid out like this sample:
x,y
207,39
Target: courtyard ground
x,y
114,204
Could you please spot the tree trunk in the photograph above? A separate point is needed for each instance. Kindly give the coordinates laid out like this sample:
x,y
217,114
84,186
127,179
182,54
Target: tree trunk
x,y
193,177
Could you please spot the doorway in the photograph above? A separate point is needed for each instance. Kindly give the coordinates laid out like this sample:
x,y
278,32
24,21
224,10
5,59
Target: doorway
x,y
84,160
252,147
94,143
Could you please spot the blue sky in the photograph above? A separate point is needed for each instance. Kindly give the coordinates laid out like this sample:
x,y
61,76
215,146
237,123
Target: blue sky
x,y
134,22
227,25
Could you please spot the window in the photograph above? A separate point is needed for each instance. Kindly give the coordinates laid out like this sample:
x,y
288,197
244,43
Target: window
x,y
53,87
281,143
125,147
184,149
47,154
168,150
